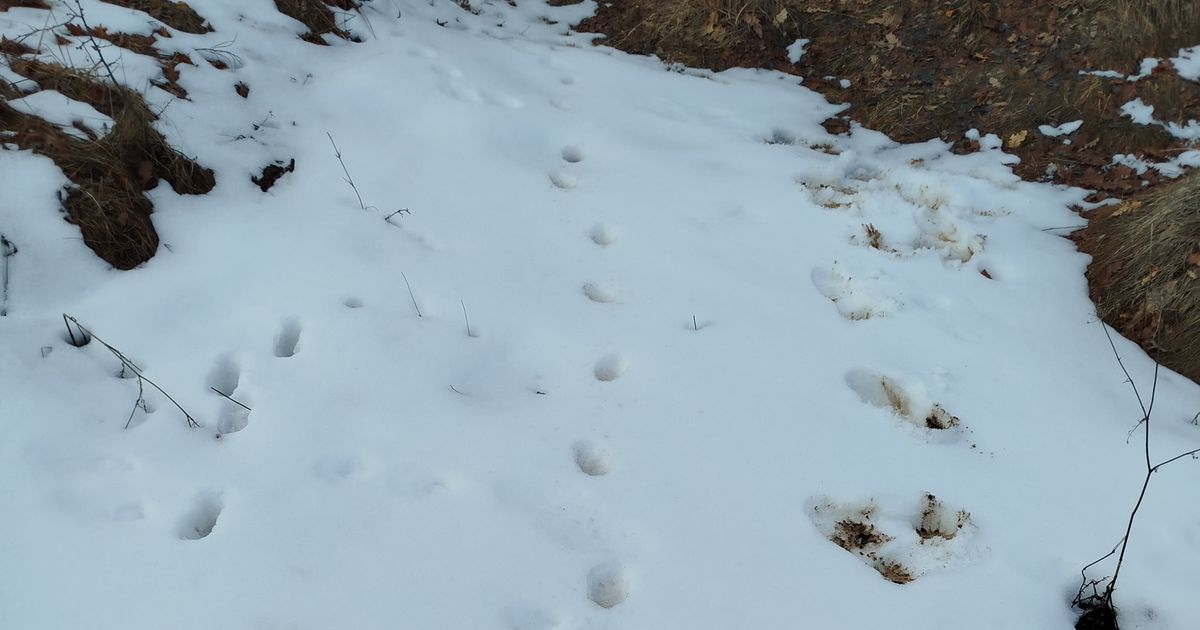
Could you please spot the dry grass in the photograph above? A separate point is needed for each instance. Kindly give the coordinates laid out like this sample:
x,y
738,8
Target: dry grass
x,y
1127,31
109,173
141,44
29,4
178,15
1145,274
874,236
318,17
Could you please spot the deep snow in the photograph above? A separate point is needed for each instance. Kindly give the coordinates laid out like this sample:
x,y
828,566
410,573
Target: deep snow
x,y
686,362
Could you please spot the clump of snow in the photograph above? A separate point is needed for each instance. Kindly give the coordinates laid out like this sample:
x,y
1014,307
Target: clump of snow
x,y
795,50
1139,112
1187,64
1144,70
1143,114
1065,129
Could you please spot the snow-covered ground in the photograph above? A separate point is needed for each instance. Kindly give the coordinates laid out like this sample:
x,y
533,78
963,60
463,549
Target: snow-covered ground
x,y
702,332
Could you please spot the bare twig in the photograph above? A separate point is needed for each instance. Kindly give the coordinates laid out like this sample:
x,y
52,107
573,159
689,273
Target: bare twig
x,y
93,43
70,333
140,402
230,399
7,250
466,319
125,362
411,296
388,218
1105,599
347,178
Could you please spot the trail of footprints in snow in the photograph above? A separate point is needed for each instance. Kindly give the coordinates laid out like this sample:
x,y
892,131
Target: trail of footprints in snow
x,y
233,415
899,542
608,583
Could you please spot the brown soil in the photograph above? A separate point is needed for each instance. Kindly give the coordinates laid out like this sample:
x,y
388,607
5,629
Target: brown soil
x,y
935,68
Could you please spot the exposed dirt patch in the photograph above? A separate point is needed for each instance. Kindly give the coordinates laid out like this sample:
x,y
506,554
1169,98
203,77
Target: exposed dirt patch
x,y
242,89
178,15
109,173
272,172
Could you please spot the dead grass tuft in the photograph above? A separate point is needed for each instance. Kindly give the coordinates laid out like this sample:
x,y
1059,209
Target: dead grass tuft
x,y
28,4
317,16
874,236
109,173
14,48
178,15
1145,273
1128,31
141,44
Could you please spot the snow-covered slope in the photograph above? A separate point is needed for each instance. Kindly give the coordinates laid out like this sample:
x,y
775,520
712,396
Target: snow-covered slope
x,y
703,332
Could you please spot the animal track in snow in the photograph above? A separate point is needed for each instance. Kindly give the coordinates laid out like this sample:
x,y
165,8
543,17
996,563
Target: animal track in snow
x,y
352,302
234,416
225,375
287,342
942,233
611,367
593,460
936,230
901,541
572,154
603,235
202,519
856,297
599,292
608,584
564,181
907,400
504,100
226,379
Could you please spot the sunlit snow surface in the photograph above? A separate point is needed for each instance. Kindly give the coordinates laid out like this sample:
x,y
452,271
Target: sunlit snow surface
x,y
703,331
